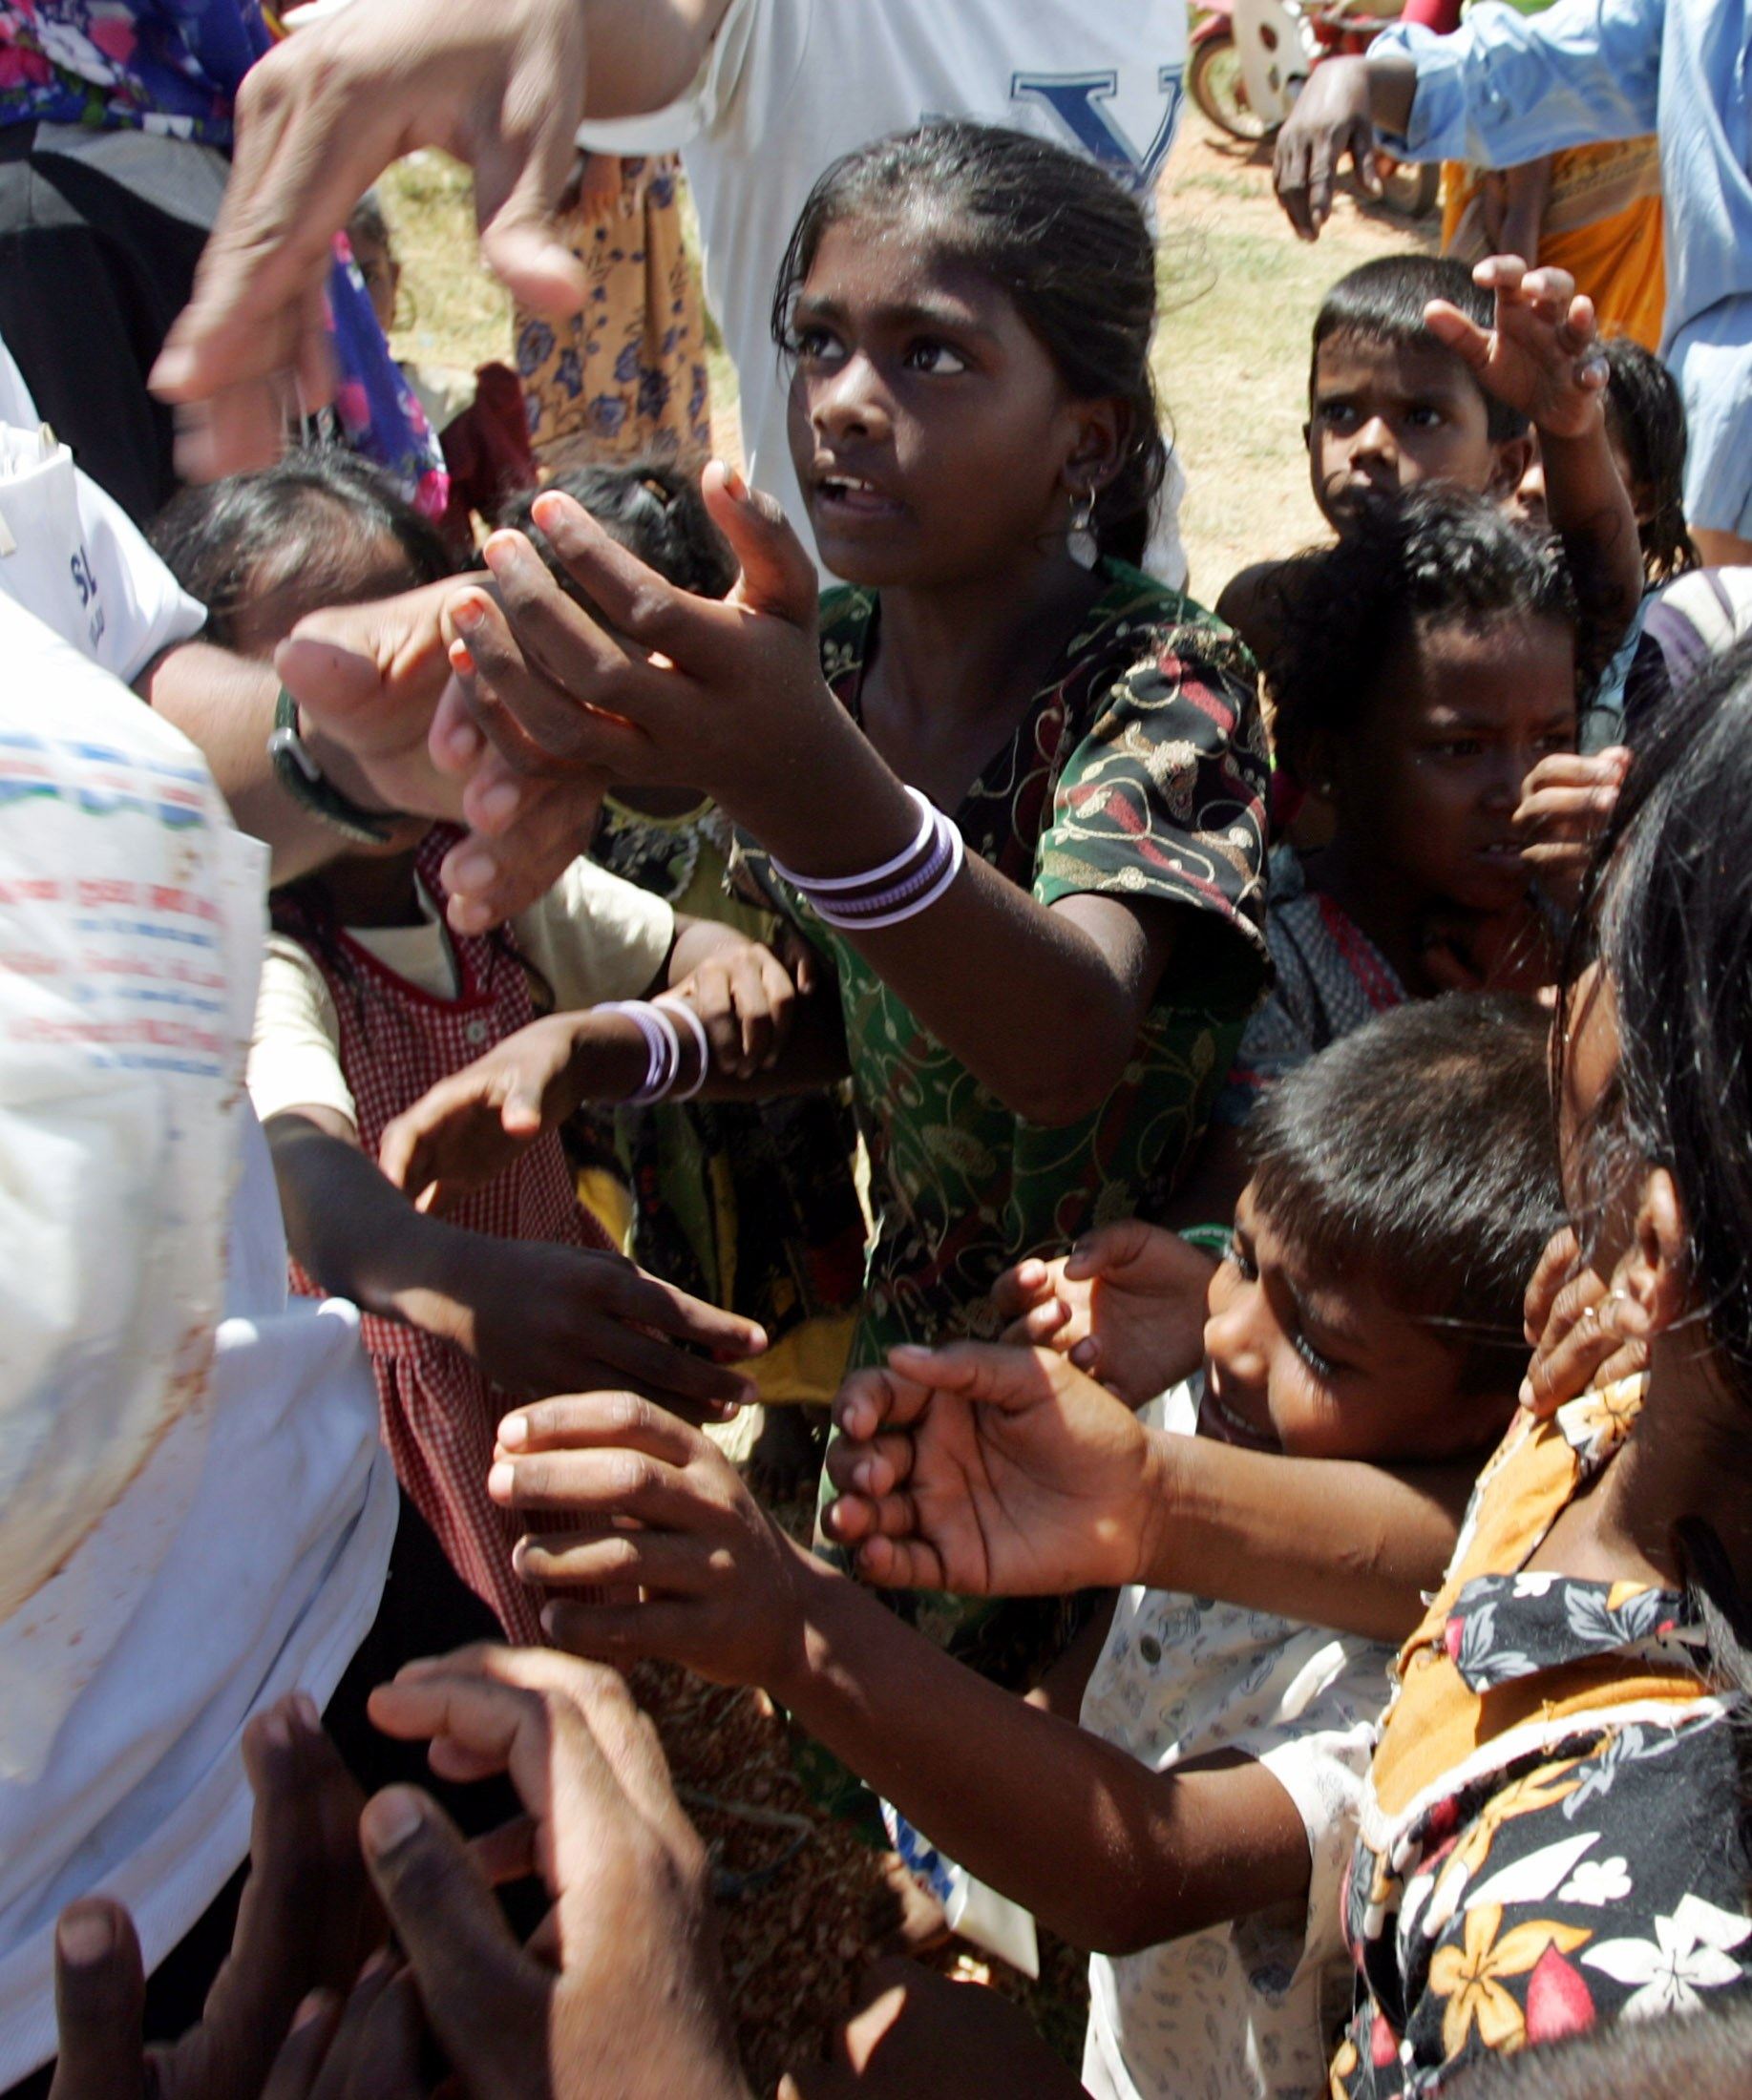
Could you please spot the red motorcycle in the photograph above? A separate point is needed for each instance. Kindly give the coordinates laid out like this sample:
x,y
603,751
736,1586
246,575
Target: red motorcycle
x,y
1245,73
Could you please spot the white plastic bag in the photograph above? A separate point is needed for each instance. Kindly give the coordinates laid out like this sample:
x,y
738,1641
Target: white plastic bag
x,y
131,925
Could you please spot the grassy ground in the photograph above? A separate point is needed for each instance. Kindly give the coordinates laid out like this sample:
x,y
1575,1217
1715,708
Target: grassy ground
x,y
1238,295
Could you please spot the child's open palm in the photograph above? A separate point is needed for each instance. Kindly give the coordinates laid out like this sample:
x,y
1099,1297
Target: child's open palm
x,y
989,1471
1543,354
469,1128
1127,1305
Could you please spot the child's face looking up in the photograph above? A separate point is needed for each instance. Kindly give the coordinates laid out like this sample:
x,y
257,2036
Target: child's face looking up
x,y
1433,775
930,431
1387,416
1327,1370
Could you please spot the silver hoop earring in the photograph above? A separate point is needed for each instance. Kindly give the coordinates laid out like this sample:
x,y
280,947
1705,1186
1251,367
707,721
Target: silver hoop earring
x,y
1081,543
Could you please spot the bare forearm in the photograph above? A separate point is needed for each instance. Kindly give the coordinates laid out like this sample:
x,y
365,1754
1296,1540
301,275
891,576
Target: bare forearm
x,y
1325,1540
643,56
1393,87
1592,514
353,1229
224,705
1106,1852
1026,999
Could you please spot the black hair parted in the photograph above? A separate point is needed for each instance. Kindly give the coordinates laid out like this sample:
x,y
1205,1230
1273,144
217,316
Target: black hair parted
x,y
1421,1148
1646,416
1430,555
651,507
1052,230
1383,301
231,541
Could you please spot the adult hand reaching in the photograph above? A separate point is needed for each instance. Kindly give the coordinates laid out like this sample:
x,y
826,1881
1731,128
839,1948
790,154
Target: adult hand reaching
x,y
990,1471
1332,121
304,1922
369,679
1127,1305
629,2000
318,120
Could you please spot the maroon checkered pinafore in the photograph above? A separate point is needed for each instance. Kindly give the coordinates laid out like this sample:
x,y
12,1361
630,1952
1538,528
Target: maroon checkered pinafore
x,y
439,1413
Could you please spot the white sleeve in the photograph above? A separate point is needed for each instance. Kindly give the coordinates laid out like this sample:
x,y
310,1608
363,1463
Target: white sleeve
x,y
594,936
295,1051
78,561
1319,1748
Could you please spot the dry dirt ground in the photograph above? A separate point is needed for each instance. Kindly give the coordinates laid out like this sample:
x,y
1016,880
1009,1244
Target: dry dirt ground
x,y
1240,296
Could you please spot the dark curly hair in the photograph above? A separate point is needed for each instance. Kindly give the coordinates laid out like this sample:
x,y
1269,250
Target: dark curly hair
x,y
652,508
1647,419
1432,555
1058,235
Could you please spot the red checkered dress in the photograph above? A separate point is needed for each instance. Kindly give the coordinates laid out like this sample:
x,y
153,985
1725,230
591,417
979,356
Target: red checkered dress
x,y
439,1412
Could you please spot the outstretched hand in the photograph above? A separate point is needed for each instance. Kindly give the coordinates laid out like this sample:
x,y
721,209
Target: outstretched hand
x,y
306,1921
623,1497
318,119
625,1995
1542,354
1127,1305
991,1471
370,682
663,686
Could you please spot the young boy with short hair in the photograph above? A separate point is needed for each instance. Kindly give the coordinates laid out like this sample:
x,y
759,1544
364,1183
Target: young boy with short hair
x,y
1390,405
1195,1828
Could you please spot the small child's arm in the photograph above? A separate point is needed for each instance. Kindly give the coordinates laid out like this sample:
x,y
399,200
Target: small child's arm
x,y
990,1471
536,1317
1104,1850
1543,356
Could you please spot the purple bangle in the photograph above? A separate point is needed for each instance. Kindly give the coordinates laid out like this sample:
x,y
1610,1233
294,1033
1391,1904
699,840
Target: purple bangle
x,y
810,885
936,887
858,911
662,1045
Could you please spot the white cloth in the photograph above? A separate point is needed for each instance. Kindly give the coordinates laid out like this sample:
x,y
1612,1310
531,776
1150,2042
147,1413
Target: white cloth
x,y
77,559
593,937
243,1553
790,85
1249,2008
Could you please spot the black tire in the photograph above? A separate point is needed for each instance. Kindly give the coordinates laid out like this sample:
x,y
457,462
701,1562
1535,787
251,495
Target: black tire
x,y
1213,80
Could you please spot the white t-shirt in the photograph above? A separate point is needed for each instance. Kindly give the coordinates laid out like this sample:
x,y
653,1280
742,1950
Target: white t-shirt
x,y
593,937
792,84
70,553
239,1549
1251,2008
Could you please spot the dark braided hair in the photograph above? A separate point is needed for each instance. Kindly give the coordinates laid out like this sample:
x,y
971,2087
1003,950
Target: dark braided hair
x,y
1058,235
1431,555
1647,417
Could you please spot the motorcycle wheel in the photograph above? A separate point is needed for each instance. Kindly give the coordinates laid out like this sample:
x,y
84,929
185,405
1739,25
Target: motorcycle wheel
x,y
1410,188
1214,79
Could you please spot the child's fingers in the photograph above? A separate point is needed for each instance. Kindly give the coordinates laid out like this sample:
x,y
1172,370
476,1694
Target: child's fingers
x,y
1552,1271
623,1290
1501,274
875,1468
1010,1379
599,1483
1021,1288
900,1564
620,1633
1459,332
654,1562
99,1998
608,1420
780,995
1041,1327
869,1398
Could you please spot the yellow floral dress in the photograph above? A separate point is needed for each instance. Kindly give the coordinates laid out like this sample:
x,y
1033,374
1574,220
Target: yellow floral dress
x,y
627,376
1549,1836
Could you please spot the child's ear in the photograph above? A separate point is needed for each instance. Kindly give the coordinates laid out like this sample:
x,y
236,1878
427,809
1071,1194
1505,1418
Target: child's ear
x,y
1514,456
1650,1288
1101,432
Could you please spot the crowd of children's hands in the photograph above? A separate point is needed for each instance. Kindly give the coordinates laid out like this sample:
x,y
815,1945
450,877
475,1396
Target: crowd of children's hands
x,y
370,1958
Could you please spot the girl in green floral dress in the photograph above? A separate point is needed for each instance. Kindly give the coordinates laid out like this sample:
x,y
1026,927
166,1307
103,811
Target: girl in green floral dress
x,y
1037,1032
